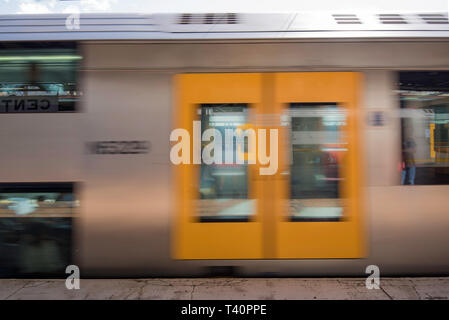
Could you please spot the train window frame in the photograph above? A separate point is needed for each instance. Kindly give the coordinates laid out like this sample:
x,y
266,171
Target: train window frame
x,y
419,94
51,230
249,195
340,107
40,78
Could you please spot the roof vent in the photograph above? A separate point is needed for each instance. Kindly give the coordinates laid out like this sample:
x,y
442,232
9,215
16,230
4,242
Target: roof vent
x,y
208,18
392,19
434,18
346,19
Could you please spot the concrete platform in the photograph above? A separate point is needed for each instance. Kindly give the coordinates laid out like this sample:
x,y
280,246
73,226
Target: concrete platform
x,y
228,289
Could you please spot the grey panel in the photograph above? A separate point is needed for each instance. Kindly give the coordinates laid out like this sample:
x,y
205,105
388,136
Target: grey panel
x,y
127,218
184,57
247,26
126,213
41,147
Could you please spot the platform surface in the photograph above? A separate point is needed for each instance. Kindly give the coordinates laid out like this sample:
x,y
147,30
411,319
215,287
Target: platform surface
x,y
436,288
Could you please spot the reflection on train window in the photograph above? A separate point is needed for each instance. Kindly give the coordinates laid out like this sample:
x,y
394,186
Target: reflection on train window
x,y
38,77
36,228
318,146
223,190
424,98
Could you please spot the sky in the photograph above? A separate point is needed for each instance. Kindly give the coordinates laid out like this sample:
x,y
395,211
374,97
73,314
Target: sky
x,y
191,6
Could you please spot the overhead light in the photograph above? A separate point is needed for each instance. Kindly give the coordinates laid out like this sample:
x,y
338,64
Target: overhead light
x,y
41,58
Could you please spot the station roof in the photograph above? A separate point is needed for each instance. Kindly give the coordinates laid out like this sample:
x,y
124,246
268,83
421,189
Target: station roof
x,y
223,26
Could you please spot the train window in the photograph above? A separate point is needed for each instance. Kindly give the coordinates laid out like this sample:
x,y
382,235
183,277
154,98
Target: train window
x,y
38,77
36,228
424,101
224,194
318,146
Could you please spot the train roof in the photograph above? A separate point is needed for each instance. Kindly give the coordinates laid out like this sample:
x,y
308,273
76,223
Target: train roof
x,y
223,26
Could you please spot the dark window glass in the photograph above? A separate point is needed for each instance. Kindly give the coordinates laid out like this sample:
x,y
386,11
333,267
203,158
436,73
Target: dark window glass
x,y
36,228
38,78
424,100
224,195
318,146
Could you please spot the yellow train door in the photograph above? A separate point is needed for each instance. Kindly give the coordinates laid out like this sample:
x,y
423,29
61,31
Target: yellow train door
x,y
318,199
232,204
218,213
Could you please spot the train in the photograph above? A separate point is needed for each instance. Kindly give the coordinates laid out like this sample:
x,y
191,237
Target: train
x,y
115,154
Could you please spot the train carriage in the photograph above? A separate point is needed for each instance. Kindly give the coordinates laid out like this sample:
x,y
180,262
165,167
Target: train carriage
x,y
354,108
